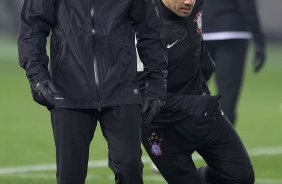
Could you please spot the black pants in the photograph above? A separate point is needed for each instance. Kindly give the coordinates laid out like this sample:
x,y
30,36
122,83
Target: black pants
x,y
74,130
171,147
230,57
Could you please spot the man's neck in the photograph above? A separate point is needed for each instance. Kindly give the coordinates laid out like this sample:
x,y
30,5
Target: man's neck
x,y
166,3
166,12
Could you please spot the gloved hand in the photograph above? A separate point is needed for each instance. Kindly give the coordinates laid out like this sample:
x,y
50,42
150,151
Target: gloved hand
x,y
46,94
150,109
260,56
206,106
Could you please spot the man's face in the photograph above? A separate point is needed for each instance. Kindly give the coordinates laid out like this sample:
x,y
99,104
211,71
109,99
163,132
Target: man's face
x,y
182,8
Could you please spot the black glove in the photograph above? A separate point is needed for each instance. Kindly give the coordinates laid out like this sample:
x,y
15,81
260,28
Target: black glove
x,y
45,93
259,58
206,106
150,109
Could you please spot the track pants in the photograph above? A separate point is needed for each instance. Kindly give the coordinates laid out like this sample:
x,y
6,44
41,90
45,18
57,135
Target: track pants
x,y
230,58
171,147
74,129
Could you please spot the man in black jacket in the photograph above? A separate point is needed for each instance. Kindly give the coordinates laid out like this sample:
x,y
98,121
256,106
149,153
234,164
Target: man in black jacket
x,y
227,27
191,119
92,76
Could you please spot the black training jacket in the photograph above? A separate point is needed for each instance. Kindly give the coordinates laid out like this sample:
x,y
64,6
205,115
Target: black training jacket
x,y
93,57
231,16
189,63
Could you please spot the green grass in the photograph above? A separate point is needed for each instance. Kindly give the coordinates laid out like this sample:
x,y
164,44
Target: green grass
x,y
26,135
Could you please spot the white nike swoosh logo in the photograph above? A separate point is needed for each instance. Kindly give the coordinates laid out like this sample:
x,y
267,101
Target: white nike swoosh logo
x,y
170,45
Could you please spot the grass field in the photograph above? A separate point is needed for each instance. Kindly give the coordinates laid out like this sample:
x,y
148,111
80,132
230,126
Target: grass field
x,y
27,153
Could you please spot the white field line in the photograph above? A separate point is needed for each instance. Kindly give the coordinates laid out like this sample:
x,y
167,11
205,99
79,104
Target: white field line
x,y
151,178
104,163
52,167
268,181
96,177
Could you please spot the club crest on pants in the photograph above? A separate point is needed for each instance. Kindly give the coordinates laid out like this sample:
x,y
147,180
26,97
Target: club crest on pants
x,y
155,143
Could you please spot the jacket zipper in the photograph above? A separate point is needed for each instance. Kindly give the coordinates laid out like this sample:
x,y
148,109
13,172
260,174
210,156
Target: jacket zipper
x,y
94,58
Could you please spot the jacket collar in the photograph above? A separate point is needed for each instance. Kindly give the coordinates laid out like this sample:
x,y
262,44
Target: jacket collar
x,y
167,13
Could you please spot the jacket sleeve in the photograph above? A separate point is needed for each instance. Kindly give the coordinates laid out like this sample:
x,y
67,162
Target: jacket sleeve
x,y
249,10
150,33
37,19
191,105
207,64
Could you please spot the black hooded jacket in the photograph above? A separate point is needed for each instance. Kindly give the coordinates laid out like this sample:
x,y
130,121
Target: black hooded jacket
x,y
93,57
